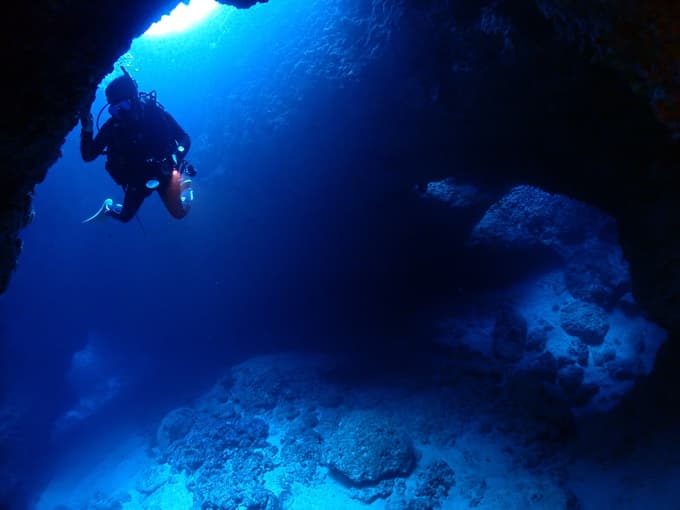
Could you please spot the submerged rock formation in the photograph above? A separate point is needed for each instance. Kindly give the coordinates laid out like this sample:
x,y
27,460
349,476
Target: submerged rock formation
x,y
566,321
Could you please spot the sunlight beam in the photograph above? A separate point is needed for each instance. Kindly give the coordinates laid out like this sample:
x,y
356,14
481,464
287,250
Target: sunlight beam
x,y
182,17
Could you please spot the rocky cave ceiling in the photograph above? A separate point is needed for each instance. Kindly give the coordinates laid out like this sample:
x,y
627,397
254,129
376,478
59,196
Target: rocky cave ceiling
x,y
56,52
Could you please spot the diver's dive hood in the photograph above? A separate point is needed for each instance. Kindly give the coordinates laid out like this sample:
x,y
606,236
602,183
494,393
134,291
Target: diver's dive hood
x,y
123,87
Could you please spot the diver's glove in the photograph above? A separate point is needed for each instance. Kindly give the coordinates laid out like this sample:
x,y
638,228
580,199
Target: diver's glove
x,y
86,122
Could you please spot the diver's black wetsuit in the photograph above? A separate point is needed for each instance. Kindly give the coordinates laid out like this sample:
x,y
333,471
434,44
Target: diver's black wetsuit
x,y
139,148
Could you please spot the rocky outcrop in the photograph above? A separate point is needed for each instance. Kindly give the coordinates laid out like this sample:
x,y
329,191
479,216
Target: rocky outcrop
x,y
569,324
585,321
424,445
175,426
366,449
529,217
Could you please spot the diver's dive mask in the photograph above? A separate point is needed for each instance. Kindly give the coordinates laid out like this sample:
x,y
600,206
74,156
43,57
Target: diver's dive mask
x,y
121,108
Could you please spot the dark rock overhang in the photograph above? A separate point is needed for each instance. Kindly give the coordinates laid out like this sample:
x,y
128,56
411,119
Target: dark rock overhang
x,y
56,53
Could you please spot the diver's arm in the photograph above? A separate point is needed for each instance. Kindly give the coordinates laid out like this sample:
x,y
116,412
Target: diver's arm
x,y
91,147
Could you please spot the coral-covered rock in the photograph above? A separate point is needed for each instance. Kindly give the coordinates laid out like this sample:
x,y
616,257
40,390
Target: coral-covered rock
x,y
599,276
366,448
263,383
174,426
235,480
585,321
435,481
454,194
253,498
212,440
411,504
368,495
301,452
528,216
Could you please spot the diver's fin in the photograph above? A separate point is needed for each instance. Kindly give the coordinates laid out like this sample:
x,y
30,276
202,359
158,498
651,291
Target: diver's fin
x,y
100,215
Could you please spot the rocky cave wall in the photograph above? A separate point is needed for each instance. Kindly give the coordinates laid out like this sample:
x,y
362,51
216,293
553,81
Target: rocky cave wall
x,y
557,60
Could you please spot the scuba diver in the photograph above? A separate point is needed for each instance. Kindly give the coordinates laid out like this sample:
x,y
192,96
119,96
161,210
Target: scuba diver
x,y
145,150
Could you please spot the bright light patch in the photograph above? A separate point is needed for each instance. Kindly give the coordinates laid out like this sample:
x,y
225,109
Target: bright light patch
x,y
182,17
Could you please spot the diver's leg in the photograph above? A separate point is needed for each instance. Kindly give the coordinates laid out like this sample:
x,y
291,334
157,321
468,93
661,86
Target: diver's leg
x,y
177,195
134,197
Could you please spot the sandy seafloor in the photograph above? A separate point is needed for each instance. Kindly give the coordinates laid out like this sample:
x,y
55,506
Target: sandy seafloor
x,y
496,455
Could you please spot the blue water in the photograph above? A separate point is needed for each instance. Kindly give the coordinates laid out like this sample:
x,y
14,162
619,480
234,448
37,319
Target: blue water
x,y
166,304
293,108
